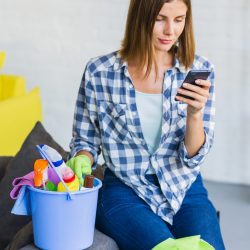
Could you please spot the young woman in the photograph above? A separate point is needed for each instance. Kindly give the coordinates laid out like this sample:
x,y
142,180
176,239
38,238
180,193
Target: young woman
x,y
152,141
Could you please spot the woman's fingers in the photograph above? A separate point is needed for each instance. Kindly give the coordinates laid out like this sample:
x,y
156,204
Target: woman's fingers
x,y
202,87
194,91
199,94
203,83
193,103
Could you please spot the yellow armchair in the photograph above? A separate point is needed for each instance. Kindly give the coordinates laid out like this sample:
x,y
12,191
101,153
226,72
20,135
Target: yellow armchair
x,y
2,58
19,111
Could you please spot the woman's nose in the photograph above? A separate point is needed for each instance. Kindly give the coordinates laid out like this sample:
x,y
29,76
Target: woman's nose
x,y
168,28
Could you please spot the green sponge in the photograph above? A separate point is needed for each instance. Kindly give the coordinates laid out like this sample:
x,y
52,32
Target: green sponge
x,y
50,186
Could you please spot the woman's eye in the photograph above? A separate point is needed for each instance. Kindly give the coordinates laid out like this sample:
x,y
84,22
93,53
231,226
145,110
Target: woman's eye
x,y
179,20
159,18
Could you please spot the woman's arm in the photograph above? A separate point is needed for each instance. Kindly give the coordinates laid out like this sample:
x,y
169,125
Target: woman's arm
x,y
86,134
195,134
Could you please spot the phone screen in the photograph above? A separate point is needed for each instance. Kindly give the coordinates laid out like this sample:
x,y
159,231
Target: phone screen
x,y
192,76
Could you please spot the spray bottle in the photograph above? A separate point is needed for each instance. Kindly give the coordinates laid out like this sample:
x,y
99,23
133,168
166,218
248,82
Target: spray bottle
x,y
57,161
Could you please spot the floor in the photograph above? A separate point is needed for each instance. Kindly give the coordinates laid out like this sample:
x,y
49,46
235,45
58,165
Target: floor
x,y
233,202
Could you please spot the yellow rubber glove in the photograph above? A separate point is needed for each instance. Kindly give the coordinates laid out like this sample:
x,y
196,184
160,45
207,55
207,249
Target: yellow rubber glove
x,y
81,165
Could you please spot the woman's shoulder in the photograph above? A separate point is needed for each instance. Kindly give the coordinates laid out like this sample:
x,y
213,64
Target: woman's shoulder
x,y
103,63
201,62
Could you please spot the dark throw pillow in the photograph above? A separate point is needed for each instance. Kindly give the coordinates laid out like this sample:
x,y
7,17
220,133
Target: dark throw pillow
x,y
4,160
20,165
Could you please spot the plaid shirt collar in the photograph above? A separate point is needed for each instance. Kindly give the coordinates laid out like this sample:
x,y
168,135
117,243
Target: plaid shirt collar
x,y
118,63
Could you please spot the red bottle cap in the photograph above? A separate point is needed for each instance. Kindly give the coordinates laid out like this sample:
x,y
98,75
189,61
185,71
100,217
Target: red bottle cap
x,y
68,180
68,175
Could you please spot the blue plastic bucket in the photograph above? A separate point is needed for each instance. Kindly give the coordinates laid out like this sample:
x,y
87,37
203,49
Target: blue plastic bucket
x,y
62,223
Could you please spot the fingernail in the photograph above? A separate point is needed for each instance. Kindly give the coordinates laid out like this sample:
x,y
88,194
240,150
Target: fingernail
x,y
185,84
198,81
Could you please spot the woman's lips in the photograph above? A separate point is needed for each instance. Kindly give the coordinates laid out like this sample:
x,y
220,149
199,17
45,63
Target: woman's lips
x,y
165,41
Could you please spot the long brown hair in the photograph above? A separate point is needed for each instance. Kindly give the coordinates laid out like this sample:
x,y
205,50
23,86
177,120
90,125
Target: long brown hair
x,y
137,42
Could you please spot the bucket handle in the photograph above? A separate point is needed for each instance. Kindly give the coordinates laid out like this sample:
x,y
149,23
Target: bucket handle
x,y
46,157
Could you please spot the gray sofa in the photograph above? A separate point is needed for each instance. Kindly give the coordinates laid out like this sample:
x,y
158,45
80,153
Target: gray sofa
x,y
101,242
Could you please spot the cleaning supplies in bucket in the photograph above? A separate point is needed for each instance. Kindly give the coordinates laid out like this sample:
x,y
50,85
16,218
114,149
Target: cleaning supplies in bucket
x,y
70,179
55,158
40,173
88,181
49,209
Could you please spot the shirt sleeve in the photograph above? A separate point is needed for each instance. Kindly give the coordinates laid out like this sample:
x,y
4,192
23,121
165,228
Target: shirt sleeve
x,y
209,124
86,132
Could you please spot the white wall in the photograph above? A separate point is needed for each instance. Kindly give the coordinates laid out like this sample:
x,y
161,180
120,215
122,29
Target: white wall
x,y
50,41
222,29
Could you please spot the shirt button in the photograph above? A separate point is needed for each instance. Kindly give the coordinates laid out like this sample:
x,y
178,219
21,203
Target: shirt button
x,y
134,113
130,86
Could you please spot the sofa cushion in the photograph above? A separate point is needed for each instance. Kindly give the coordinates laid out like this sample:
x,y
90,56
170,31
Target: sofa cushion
x,y
25,235
20,165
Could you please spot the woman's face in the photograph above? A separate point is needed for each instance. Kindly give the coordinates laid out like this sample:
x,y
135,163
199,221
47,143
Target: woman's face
x,y
169,25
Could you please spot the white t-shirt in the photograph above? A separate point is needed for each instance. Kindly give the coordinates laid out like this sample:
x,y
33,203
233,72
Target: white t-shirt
x,y
149,107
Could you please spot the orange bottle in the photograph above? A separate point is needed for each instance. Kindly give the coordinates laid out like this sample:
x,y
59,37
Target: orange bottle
x,y
40,172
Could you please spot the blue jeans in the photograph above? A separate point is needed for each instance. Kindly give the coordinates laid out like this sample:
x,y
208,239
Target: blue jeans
x,y
127,219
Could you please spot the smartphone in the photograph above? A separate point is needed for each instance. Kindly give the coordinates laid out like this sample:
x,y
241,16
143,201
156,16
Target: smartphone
x,y
191,77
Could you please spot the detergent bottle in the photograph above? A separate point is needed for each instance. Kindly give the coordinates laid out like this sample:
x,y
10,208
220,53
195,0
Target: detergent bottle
x,y
40,173
70,179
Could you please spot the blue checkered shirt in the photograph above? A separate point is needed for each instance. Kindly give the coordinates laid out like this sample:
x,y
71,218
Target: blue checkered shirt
x,y
106,119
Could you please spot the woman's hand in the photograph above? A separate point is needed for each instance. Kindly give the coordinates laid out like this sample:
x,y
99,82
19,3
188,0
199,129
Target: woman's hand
x,y
80,164
200,94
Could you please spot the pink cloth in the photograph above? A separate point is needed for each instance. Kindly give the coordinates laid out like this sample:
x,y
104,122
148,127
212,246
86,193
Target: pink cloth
x,y
26,180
